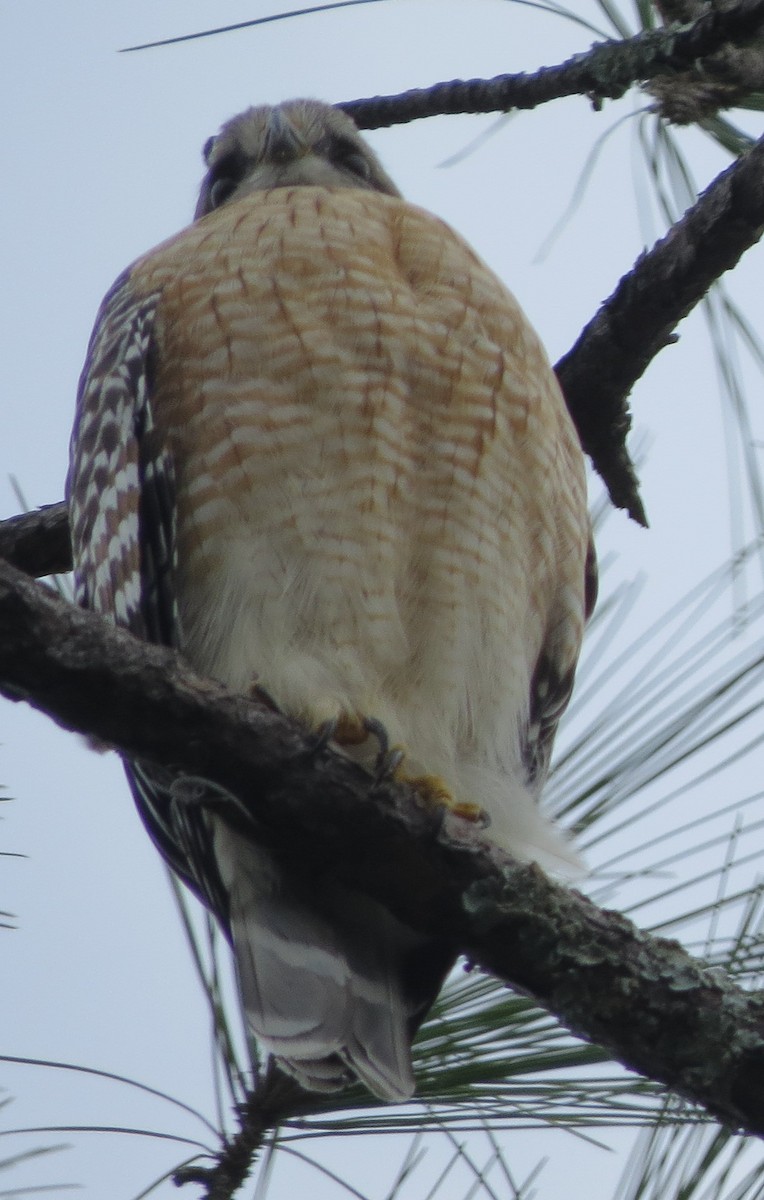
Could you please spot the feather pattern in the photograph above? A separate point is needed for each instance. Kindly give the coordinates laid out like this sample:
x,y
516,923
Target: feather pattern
x,y
318,445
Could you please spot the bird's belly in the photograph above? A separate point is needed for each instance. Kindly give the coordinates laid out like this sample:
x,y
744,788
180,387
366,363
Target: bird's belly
x,y
448,680
402,611
333,614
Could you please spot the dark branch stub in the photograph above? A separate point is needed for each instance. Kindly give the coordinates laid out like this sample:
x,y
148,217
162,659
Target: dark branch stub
x,y
275,1100
38,542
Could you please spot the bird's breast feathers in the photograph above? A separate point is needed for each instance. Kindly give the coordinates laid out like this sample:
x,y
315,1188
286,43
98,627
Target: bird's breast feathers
x,y
380,494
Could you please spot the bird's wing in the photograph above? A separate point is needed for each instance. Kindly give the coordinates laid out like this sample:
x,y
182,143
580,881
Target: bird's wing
x,y
120,492
551,688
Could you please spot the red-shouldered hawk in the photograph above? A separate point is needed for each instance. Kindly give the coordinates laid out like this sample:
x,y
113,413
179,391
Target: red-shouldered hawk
x,y
318,446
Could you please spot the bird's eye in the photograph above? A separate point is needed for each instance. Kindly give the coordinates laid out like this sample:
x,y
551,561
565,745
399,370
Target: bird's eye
x,y
221,190
224,177
347,156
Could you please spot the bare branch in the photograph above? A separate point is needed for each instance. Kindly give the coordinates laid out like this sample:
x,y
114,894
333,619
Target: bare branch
x,y
618,344
604,72
653,1006
38,542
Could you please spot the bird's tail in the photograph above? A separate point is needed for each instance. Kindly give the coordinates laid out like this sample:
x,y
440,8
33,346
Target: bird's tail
x,y
332,985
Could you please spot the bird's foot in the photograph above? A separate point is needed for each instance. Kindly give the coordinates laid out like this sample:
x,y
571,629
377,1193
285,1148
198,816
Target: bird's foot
x,y
436,794
352,729
324,735
349,729
389,758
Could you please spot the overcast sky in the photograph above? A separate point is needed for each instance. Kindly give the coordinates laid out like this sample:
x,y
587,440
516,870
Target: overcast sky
x,y
101,160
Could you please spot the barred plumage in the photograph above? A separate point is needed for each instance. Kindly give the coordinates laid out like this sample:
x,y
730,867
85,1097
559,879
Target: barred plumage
x,y
318,445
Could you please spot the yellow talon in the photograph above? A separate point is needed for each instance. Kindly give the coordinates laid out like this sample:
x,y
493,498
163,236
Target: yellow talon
x,y
350,730
436,793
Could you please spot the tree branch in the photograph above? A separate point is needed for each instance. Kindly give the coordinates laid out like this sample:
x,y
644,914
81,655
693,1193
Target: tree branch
x,y
605,72
637,320
653,1006
276,1100
38,542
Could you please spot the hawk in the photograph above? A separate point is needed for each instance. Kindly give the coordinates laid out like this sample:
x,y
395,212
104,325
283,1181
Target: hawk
x,y
319,448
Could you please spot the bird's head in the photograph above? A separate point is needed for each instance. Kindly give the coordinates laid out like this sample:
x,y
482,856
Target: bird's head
x,y
298,142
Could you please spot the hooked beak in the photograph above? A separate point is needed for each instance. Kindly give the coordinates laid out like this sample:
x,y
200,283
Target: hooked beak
x,y
282,143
